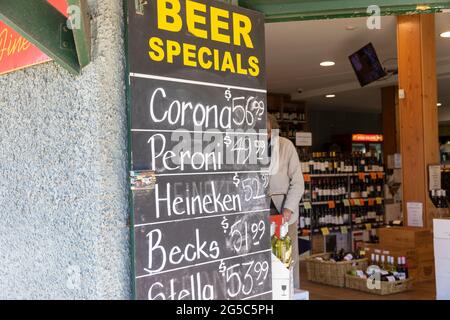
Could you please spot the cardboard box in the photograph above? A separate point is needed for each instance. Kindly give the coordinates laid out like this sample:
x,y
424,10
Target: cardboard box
x,y
419,270
318,244
282,280
425,271
393,211
410,254
417,245
405,237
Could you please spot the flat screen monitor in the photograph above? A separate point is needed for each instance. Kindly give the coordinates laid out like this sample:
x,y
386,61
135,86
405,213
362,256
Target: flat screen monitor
x,y
366,65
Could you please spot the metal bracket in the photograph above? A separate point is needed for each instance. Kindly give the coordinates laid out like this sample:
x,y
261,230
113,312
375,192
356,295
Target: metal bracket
x,y
66,38
46,28
82,35
139,4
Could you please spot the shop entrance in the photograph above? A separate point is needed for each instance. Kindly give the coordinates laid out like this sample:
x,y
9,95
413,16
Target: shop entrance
x,y
346,123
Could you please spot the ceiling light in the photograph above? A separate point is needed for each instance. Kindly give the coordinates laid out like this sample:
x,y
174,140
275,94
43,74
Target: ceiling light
x,y
327,63
445,34
439,104
330,96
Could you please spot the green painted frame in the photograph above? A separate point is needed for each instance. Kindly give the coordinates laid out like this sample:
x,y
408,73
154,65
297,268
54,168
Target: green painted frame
x,y
295,10
300,10
130,158
45,27
82,36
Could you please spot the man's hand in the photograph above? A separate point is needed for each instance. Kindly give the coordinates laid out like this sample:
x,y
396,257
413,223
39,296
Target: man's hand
x,y
287,214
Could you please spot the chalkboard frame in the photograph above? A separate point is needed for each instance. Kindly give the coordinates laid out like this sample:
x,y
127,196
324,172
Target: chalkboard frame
x,y
129,103
129,151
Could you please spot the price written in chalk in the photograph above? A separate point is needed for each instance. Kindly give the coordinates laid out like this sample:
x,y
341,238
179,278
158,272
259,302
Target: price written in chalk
x,y
242,283
246,148
243,234
254,187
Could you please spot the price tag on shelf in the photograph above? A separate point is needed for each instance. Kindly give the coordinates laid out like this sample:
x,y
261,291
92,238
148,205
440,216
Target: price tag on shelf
x,y
352,202
361,175
331,205
325,231
373,175
368,226
358,202
380,175
371,202
307,205
379,200
307,178
344,230
346,202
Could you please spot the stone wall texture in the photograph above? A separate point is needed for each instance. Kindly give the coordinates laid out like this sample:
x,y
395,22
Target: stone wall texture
x,y
64,230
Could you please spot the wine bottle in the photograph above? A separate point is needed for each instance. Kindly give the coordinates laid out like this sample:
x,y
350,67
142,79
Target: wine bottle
x,y
284,246
400,269
372,259
302,214
308,218
405,267
273,237
383,262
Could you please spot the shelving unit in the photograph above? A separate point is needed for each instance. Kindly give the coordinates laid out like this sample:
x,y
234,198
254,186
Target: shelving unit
x,y
348,202
280,104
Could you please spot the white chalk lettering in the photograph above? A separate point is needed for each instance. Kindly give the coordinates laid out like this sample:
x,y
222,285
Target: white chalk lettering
x,y
180,113
199,249
194,204
194,290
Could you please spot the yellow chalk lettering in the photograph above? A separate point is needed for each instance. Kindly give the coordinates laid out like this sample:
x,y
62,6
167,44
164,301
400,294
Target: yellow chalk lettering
x,y
189,53
172,12
192,18
254,66
157,52
217,25
242,26
239,68
227,63
173,49
201,58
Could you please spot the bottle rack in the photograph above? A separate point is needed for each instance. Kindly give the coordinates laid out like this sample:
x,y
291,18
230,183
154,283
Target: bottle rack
x,y
348,205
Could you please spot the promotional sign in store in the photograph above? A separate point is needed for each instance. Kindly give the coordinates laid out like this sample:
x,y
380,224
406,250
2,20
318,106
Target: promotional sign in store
x,y
197,102
16,52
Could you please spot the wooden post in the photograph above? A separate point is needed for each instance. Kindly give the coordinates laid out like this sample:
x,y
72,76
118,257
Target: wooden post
x,y
418,116
389,104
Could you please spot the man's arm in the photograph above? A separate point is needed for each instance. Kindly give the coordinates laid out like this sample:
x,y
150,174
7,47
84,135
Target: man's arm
x,y
297,184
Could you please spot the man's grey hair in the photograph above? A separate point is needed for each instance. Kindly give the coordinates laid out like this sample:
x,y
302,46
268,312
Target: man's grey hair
x,y
273,121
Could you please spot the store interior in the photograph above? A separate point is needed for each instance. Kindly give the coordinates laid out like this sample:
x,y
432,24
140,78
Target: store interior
x,y
313,89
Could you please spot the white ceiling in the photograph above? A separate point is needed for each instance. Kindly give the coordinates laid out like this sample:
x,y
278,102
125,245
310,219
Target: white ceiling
x,y
295,49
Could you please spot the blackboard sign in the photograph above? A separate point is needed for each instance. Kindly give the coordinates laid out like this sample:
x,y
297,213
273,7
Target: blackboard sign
x,y
199,162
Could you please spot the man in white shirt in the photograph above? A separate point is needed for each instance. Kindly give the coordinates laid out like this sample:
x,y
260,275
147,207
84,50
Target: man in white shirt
x,y
286,185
